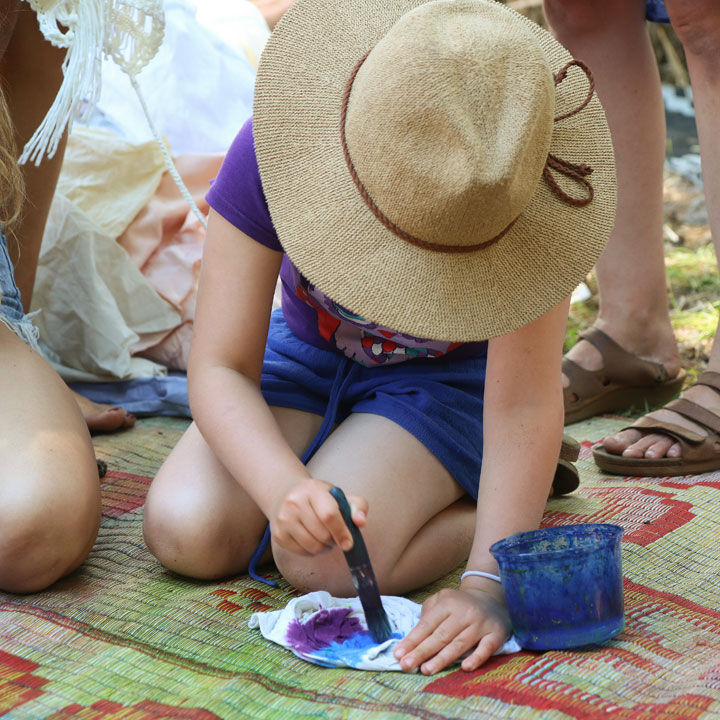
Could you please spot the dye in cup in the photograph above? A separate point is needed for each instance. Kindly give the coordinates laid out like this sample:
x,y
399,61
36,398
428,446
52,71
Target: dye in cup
x,y
563,585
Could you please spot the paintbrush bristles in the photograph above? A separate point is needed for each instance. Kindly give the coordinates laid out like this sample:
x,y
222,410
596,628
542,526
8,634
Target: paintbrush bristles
x,y
369,594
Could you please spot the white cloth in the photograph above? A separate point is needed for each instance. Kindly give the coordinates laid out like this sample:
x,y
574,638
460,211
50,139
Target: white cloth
x,y
95,303
357,651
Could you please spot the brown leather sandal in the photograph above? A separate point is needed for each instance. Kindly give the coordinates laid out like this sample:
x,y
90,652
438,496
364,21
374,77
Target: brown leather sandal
x,y
698,452
623,382
566,477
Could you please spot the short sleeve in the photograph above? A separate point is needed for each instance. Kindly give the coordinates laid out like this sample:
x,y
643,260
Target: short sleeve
x,y
237,194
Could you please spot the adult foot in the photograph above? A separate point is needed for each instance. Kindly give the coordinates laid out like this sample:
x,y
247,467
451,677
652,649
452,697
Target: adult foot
x,y
636,443
682,438
601,375
103,418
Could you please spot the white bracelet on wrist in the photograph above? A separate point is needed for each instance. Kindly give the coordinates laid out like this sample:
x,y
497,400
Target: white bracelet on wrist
x,y
480,573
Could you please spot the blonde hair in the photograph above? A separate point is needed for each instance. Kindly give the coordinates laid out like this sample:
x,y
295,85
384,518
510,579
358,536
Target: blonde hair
x,y
11,180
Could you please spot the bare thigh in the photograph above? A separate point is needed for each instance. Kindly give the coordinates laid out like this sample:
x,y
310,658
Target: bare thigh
x,y
198,520
49,488
420,523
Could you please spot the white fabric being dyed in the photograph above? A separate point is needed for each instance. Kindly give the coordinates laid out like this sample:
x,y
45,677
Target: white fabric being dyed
x,y
357,651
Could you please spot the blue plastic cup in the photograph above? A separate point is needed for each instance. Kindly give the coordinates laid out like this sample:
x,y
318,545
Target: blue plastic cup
x,y
563,585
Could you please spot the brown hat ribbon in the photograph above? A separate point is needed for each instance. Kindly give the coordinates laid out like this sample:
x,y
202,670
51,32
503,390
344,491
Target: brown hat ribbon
x,y
574,171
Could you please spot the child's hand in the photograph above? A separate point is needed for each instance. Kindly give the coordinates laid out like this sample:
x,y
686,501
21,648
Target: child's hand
x,y
307,519
454,622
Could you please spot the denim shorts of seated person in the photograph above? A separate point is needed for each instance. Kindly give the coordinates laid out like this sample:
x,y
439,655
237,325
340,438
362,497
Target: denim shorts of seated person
x,y
656,12
11,309
439,401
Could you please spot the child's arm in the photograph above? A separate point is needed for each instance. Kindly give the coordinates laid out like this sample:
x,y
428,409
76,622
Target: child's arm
x,y
523,422
234,303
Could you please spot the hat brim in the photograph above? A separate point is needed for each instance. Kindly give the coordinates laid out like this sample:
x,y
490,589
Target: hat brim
x,y
339,245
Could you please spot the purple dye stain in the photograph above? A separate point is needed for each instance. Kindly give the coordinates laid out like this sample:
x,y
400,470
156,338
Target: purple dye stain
x,y
323,629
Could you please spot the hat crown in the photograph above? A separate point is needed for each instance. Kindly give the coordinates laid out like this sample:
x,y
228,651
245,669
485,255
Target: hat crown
x,y
449,121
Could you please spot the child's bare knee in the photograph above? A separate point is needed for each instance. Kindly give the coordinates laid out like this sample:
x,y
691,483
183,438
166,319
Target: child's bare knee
x,y
36,550
188,540
177,536
328,571
697,24
576,18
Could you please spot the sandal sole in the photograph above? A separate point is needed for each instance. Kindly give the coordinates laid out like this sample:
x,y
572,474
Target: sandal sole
x,y
642,467
621,398
567,479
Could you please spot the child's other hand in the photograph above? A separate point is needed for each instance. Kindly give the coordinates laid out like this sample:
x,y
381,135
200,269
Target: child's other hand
x,y
307,519
454,622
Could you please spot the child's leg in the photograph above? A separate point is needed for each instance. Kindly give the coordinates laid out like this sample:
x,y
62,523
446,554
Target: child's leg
x,y
611,37
198,520
419,524
49,489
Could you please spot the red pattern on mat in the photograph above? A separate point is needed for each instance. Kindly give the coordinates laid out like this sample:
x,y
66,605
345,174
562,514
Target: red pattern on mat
x,y
662,513
507,679
122,493
18,683
535,679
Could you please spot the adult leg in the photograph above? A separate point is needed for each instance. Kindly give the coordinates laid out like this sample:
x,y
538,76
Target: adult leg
x,y
49,490
697,24
198,520
611,37
420,524
31,74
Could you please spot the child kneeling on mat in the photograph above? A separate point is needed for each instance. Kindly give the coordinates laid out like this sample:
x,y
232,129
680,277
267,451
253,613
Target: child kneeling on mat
x,y
430,180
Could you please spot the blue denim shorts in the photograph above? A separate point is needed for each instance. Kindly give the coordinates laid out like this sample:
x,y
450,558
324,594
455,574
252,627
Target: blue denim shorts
x,y
656,12
11,309
440,402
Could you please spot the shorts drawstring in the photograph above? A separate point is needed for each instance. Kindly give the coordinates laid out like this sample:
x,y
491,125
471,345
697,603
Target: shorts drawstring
x,y
343,377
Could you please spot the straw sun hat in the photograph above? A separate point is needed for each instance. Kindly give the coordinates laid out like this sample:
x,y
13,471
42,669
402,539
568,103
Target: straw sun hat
x,y
440,168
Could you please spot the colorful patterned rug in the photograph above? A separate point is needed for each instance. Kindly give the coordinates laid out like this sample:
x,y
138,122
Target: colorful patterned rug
x,y
122,638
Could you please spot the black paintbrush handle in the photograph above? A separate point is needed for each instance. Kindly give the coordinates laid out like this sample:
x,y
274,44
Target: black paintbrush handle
x,y
358,555
363,576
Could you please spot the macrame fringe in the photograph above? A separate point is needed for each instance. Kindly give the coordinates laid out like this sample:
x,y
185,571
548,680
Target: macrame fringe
x,y
83,39
128,31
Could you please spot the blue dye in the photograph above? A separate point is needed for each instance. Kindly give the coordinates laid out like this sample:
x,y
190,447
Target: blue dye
x,y
353,650
560,637
656,12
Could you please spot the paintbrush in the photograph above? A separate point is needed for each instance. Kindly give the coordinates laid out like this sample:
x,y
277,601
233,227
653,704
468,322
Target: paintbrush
x,y
363,576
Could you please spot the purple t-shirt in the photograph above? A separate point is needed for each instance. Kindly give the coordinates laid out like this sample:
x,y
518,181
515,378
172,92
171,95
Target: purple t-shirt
x,y
238,196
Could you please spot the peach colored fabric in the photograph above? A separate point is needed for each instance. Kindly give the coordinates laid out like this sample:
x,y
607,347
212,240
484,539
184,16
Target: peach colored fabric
x,y
165,241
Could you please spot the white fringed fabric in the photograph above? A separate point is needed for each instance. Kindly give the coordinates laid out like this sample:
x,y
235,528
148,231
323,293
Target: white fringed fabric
x,y
128,31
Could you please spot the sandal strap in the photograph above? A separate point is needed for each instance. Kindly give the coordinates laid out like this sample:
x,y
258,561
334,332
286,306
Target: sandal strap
x,y
709,379
684,436
582,382
696,413
623,365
